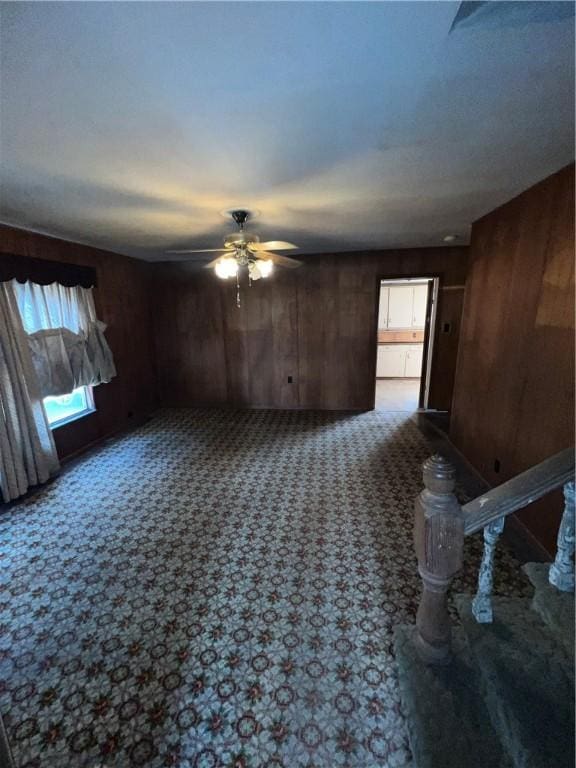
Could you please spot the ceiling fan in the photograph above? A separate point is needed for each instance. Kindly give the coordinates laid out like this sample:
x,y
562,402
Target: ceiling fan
x,y
244,250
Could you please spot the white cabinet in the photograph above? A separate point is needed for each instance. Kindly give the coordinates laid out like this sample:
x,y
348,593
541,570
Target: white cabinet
x,y
383,308
391,360
399,361
402,306
413,368
419,306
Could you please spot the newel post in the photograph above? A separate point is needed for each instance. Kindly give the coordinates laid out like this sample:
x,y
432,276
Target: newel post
x,y
439,543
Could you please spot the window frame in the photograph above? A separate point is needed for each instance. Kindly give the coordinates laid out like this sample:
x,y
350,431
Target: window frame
x,y
90,408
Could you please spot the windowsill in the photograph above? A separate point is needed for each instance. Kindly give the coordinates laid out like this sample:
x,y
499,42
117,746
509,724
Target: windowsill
x,y
73,417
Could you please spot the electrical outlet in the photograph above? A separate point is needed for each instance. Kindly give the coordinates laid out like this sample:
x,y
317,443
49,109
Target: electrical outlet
x,y
289,379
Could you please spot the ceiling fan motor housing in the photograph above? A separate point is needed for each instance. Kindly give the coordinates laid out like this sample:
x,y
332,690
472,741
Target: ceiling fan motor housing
x,y
239,239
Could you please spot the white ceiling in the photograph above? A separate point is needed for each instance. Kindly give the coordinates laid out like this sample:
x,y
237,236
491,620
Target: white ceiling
x,y
349,125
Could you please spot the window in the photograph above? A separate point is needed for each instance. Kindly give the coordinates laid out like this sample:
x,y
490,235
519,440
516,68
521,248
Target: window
x,y
60,410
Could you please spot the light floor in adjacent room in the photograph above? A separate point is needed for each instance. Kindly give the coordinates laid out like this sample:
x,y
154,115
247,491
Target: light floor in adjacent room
x,y
397,394
219,589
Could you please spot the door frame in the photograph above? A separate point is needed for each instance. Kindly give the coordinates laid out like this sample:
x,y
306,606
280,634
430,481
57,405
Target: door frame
x,y
429,341
436,280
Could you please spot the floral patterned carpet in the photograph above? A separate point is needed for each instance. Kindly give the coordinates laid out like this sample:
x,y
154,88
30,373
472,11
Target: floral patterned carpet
x,y
218,589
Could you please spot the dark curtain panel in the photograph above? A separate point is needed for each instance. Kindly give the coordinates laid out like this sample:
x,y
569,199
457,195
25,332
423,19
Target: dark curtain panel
x,y
44,272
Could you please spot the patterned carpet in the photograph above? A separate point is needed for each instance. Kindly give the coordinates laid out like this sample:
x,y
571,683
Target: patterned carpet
x,y
218,589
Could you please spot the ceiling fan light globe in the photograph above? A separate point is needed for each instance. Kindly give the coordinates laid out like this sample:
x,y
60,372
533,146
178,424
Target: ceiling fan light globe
x,y
254,271
265,267
226,267
220,270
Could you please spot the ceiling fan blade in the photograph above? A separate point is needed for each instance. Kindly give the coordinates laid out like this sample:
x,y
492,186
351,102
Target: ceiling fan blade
x,y
280,261
202,250
193,258
272,245
212,263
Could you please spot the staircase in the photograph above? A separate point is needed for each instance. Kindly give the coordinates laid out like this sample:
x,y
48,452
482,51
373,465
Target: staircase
x,y
503,694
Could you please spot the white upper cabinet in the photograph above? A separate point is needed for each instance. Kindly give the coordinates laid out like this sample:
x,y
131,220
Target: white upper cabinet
x,y
383,308
419,307
402,306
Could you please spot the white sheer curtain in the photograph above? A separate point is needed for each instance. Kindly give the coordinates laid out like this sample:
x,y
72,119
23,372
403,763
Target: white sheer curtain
x,y
66,339
27,452
54,306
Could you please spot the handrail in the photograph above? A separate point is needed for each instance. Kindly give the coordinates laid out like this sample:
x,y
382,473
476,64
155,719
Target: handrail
x,y
517,493
440,525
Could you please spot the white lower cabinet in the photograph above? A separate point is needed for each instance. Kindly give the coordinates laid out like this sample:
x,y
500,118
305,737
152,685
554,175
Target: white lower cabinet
x,y
414,361
397,361
391,360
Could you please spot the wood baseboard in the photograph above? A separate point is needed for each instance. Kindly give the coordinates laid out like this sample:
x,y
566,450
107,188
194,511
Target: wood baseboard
x,y
94,445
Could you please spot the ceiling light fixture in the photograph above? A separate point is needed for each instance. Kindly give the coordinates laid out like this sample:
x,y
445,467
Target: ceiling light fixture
x,y
230,266
450,238
243,250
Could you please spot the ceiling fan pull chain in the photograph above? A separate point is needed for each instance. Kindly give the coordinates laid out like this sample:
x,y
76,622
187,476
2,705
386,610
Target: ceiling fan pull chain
x,y
237,290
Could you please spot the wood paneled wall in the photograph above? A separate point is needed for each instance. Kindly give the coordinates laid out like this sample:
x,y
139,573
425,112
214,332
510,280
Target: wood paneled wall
x,y
316,324
514,391
123,303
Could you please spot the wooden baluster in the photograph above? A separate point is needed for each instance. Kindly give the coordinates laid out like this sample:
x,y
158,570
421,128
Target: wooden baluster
x,y
439,541
6,759
562,570
482,603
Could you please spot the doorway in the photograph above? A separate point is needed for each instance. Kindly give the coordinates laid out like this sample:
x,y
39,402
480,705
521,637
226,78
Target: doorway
x,y
405,339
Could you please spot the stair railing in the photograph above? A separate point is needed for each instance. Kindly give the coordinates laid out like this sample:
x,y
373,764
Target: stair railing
x,y
441,524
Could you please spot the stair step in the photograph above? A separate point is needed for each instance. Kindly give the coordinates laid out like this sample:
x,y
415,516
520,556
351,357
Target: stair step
x,y
448,723
527,683
555,608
